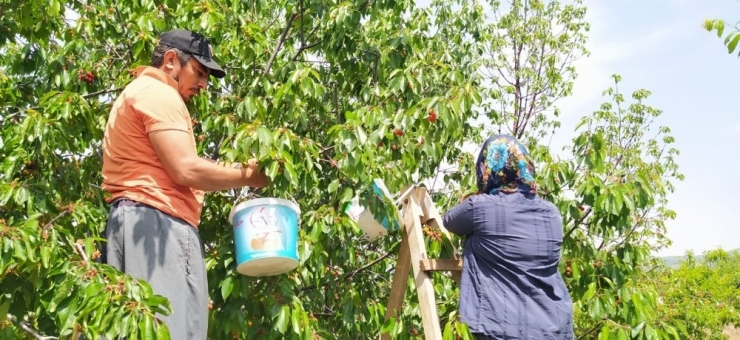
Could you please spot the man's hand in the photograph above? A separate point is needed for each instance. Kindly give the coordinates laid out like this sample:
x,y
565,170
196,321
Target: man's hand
x,y
257,179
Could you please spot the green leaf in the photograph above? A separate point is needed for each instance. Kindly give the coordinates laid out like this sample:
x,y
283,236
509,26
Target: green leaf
x,y
147,332
62,293
733,42
333,186
264,136
281,323
4,307
591,292
346,195
388,326
719,25
46,255
290,173
361,136
637,329
227,285
163,332
296,321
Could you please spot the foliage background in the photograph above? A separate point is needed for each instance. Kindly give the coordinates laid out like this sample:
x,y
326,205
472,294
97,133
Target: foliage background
x,y
329,95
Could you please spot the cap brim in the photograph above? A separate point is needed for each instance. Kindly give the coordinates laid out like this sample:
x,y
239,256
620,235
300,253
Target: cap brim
x,y
216,69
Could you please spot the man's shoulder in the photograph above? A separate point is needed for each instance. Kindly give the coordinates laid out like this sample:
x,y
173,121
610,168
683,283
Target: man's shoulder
x,y
147,87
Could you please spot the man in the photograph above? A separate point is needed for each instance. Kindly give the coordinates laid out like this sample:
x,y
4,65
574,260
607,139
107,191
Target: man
x,y
157,181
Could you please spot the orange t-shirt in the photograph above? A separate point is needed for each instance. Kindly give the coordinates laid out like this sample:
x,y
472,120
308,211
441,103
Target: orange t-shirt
x,y
131,167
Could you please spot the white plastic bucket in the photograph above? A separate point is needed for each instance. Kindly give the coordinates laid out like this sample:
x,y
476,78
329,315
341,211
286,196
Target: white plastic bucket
x,y
372,230
265,236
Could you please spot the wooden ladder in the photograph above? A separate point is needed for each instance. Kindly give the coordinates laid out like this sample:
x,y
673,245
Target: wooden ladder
x,y
419,209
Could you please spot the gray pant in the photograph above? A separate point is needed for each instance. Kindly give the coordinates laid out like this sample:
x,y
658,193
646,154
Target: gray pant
x,y
166,252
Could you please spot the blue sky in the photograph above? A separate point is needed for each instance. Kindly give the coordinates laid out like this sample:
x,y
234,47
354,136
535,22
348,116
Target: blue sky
x,y
659,45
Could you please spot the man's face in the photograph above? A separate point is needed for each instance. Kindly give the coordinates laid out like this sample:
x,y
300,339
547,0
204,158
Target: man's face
x,y
192,77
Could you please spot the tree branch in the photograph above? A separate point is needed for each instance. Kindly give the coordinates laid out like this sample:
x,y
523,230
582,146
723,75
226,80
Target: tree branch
x,y
97,93
280,43
580,220
28,329
642,218
120,19
518,81
303,48
81,251
87,95
350,274
594,328
532,103
46,226
365,267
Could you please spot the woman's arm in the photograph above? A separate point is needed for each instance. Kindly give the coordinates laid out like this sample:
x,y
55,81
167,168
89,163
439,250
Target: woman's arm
x,y
459,220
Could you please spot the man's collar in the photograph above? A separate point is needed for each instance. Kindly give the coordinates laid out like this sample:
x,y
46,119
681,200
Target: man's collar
x,y
156,74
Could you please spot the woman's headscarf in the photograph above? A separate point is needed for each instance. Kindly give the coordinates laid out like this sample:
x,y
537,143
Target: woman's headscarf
x,y
504,165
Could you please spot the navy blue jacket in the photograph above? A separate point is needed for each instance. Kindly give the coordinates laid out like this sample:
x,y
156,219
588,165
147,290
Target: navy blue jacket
x,y
511,287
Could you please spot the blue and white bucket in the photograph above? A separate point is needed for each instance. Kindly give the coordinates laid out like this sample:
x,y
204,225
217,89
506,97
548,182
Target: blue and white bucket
x,y
265,236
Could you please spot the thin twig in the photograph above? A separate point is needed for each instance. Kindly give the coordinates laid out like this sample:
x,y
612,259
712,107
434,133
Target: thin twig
x,y
350,274
35,334
280,43
28,329
86,96
97,93
303,48
218,147
55,219
358,270
10,116
598,324
81,251
130,49
580,220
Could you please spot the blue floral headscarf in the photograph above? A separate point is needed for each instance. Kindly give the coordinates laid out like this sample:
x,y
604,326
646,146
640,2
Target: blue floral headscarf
x,y
504,165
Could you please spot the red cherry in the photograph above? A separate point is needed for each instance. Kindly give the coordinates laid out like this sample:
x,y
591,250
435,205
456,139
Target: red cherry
x,y
380,145
580,207
432,116
398,132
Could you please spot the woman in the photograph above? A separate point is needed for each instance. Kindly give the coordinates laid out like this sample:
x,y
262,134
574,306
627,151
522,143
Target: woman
x,y
511,287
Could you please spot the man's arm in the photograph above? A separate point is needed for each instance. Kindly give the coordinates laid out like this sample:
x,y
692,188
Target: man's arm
x,y
186,168
224,164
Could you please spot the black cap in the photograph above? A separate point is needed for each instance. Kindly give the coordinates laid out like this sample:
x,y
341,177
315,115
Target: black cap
x,y
195,45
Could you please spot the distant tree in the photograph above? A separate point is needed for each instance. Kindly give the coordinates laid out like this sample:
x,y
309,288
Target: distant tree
x,y
702,294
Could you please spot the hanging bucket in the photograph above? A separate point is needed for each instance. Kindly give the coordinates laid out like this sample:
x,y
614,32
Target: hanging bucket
x,y
372,226
265,236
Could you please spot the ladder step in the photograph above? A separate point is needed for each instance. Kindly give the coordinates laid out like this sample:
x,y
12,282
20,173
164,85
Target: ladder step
x,y
429,265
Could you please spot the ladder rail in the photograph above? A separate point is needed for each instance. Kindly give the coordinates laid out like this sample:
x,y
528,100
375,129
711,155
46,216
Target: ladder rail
x,y
419,209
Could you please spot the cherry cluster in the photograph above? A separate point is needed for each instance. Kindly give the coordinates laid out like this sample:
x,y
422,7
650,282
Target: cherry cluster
x,y
87,77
